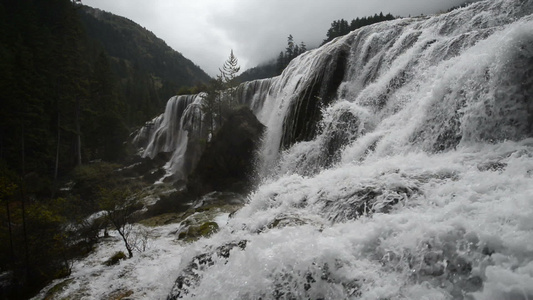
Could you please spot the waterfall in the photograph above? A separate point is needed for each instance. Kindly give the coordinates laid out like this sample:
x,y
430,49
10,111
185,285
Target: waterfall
x,y
423,84
397,164
169,133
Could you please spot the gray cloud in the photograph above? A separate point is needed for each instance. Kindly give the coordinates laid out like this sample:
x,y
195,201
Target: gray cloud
x,y
205,30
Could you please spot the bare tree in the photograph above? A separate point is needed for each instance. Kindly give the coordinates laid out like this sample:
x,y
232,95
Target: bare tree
x,y
118,206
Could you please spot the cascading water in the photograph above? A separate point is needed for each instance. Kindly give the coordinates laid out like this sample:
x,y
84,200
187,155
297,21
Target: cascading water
x,y
169,133
397,164
400,166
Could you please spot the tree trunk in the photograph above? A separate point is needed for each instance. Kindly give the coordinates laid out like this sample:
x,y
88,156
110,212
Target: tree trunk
x,y
12,252
78,132
56,168
126,243
23,151
23,200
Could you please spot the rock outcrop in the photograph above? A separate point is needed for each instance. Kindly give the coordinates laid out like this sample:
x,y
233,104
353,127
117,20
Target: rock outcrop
x,y
227,162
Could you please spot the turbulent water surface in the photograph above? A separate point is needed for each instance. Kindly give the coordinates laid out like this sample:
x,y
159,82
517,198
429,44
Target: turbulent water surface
x,y
397,164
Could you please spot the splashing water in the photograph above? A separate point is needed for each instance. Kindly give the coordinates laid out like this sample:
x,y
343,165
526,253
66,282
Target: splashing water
x,y
417,182
169,133
397,164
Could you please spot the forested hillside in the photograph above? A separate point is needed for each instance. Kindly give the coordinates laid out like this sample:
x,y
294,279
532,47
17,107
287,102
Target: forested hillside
x,y
149,72
74,82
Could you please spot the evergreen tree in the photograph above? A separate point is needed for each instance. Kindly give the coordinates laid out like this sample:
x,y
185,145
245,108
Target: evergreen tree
x,y
341,27
104,126
303,48
219,98
280,63
227,76
229,71
296,51
289,51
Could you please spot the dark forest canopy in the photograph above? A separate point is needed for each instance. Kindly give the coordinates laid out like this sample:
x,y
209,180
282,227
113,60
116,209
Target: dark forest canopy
x,y
342,27
72,88
75,80
149,71
338,28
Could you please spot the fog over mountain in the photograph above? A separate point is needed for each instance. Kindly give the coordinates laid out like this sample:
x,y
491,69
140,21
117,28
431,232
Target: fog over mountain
x,y
206,30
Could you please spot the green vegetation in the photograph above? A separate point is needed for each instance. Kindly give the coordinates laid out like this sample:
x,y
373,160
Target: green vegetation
x,y
195,232
148,72
73,83
291,52
341,27
119,204
116,258
338,28
57,289
219,97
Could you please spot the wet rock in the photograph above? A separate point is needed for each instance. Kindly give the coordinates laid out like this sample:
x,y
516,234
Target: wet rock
x,y
487,251
116,258
193,233
473,284
291,284
120,295
491,166
301,122
145,167
227,162
366,201
450,135
198,220
55,291
338,135
10,286
284,221
191,276
459,266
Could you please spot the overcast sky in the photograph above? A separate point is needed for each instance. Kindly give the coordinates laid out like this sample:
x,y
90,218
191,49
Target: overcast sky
x,y
205,31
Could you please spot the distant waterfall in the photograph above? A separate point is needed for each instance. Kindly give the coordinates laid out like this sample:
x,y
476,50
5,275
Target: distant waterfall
x,y
169,132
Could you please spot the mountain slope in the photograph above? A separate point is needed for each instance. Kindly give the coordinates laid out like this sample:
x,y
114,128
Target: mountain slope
x,y
133,47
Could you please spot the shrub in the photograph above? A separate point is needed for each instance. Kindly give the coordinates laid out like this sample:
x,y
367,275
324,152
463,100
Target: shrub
x,y
115,259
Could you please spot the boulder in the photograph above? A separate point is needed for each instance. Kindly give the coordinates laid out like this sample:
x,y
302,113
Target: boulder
x,y
227,162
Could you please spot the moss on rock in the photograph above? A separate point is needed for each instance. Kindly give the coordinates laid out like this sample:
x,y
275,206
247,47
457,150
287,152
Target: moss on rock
x,y
196,232
115,259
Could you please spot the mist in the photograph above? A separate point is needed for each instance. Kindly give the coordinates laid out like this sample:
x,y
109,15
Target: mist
x,y
205,30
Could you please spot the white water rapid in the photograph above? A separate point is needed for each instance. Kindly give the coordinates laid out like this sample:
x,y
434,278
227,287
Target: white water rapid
x,y
169,133
397,164
418,184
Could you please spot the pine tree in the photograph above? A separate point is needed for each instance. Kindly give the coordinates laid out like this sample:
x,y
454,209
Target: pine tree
x,y
229,71
104,126
289,51
341,27
228,75
303,48
219,97
280,63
